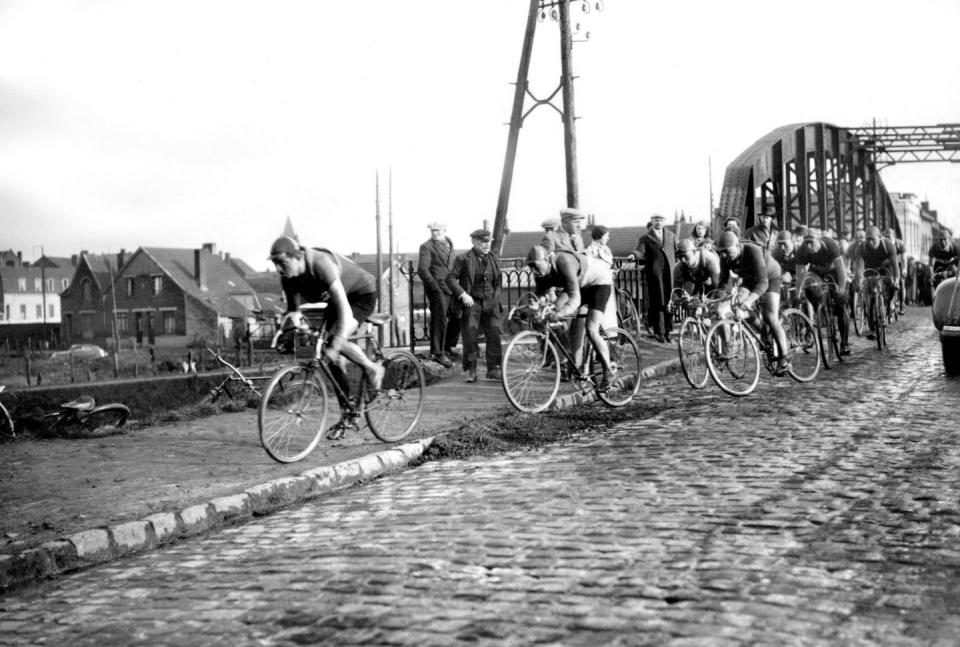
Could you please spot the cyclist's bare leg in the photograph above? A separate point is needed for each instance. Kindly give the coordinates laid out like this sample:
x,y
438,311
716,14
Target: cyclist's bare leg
x,y
593,331
577,325
373,370
771,313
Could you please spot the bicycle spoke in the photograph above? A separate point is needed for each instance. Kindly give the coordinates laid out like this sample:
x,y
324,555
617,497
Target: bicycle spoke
x,y
292,414
530,372
394,411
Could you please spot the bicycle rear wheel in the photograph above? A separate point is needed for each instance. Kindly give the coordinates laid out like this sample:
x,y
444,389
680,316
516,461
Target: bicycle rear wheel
x,y
531,371
292,414
6,424
395,410
803,351
624,362
879,320
105,419
833,328
628,317
733,360
693,359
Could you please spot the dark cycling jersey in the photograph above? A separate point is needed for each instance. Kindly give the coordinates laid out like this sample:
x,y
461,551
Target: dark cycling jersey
x,y
882,257
757,269
822,260
787,260
944,257
313,285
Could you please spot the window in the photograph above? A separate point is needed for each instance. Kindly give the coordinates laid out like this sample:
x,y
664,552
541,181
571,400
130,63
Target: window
x,y
51,312
169,323
23,310
51,285
38,285
157,285
39,311
130,286
64,284
123,323
7,312
86,325
86,291
22,284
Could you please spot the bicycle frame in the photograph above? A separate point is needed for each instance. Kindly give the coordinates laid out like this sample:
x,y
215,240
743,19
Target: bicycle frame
x,y
235,375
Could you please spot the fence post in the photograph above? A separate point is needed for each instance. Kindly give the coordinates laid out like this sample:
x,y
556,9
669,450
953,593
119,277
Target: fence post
x,y
26,364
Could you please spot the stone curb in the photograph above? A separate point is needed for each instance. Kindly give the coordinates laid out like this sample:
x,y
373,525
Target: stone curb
x,y
99,545
660,369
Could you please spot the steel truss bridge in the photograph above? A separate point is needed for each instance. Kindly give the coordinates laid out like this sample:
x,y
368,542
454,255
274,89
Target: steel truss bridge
x,y
827,176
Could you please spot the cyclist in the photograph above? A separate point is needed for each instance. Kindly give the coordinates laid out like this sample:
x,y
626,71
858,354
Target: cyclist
x,y
944,254
822,256
785,254
760,277
586,281
891,235
318,275
697,266
880,255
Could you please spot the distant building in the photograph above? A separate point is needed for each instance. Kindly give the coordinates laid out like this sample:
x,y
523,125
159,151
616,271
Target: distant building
x,y
30,307
907,206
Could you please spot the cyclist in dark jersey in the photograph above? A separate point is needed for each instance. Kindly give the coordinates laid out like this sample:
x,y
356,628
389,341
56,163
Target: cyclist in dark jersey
x,y
823,257
891,235
696,266
880,255
313,275
759,277
944,254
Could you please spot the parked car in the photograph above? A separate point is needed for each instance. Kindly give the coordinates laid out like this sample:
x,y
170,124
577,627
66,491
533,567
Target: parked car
x,y
946,318
80,351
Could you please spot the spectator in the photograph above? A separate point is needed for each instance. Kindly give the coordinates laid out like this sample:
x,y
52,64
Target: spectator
x,y
476,281
701,235
656,252
568,236
436,261
599,249
763,233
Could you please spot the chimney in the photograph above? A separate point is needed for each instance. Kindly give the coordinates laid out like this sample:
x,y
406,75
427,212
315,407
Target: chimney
x,y
198,272
74,259
121,258
20,259
210,247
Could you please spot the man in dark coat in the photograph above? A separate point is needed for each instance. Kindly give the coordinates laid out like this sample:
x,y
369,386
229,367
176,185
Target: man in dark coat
x,y
656,253
568,235
763,233
476,281
436,261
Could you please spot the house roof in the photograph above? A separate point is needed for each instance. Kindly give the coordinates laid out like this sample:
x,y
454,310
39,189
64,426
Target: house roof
x,y
9,277
222,280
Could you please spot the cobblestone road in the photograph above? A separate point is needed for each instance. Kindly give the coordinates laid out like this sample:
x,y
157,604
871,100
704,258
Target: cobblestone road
x,y
813,514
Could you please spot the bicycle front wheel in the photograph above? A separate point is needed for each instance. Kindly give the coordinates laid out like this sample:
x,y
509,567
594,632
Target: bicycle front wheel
x,y
693,359
803,351
879,321
856,310
292,414
820,319
628,317
106,419
733,360
531,371
6,424
395,410
624,356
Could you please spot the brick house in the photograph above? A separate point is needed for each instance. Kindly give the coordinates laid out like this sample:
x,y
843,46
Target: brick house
x,y
170,297
84,317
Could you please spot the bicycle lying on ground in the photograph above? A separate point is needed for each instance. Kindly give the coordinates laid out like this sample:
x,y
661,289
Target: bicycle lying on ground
x,y
79,415
733,351
532,367
293,411
6,422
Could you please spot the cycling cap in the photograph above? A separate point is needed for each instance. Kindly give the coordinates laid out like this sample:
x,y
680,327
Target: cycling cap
x,y
283,245
727,240
536,253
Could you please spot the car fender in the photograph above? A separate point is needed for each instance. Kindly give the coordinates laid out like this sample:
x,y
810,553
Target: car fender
x,y
946,307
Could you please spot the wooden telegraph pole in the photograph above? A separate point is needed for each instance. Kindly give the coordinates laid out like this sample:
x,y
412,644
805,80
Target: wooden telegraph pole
x,y
538,10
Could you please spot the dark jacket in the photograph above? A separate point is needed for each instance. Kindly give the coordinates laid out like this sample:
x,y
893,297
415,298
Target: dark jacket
x,y
460,278
435,264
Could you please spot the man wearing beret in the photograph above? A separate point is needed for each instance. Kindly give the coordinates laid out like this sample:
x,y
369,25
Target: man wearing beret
x,y
656,253
568,236
476,281
436,261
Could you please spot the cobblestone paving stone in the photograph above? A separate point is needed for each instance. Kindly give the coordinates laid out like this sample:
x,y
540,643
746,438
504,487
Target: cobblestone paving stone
x,y
826,513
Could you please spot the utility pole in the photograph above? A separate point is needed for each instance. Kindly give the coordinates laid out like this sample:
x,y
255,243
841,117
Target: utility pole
x,y
116,327
538,10
390,253
379,258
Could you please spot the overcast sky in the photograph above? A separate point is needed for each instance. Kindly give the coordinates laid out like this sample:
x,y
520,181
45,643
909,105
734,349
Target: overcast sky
x,y
126,123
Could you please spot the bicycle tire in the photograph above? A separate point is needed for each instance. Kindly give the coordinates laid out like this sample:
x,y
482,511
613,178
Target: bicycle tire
x,y
105,419
394,411
856,312
692,350
628,317
739,373
822,327
878,320
624,353
292,414
6,424
531,371
834,330
803,351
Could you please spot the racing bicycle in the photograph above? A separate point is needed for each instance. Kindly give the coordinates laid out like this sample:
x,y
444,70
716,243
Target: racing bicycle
x,y
700,314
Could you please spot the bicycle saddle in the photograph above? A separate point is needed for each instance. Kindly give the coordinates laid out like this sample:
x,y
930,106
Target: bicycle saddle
x,y
83,403
379,318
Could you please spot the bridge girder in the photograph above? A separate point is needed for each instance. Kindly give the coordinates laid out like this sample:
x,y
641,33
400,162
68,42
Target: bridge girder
x,y
813,174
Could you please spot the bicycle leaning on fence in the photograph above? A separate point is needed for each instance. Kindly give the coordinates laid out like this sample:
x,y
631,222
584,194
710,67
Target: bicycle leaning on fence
x,y
532,366
733,347
293,411
234,375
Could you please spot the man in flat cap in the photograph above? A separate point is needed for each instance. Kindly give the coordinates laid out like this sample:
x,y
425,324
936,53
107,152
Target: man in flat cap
x,y
568,236
656,253
436,261
476,281
550,224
